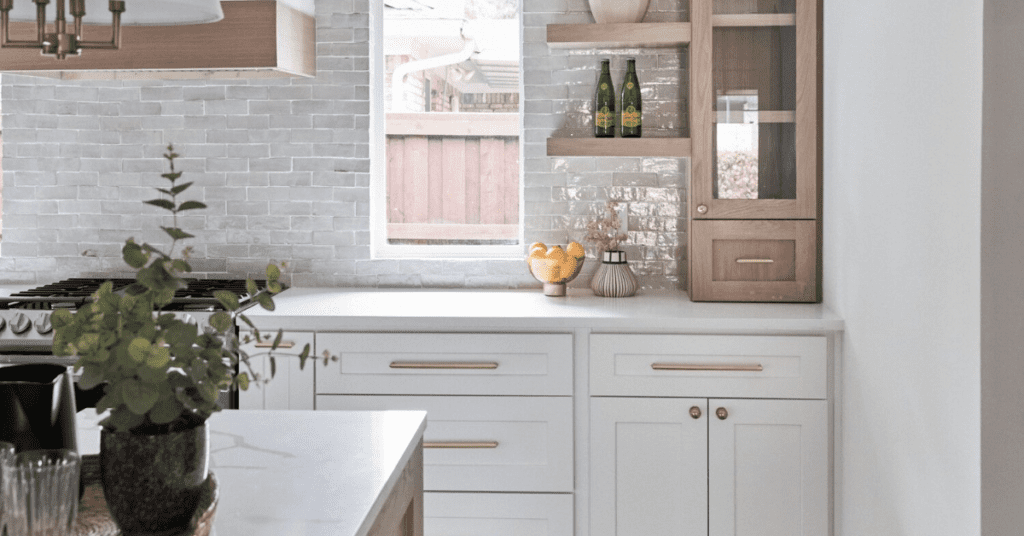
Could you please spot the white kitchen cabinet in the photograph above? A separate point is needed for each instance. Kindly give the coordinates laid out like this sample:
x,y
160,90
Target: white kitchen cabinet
x,y
293,385
497,514
648,467
671,466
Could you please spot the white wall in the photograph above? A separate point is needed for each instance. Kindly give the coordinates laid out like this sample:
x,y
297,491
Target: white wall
x,y
902,167
1002,258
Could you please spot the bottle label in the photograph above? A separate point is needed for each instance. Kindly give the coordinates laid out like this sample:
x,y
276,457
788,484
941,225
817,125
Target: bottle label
x,y
603,118
604,86
629,85
630,117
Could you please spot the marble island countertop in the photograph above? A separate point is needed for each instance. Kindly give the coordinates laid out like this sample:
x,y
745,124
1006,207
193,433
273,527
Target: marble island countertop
x,y
354,309
300,472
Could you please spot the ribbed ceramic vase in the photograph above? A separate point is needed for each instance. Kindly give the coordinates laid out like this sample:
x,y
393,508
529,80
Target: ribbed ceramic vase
x,y
614,278
609,11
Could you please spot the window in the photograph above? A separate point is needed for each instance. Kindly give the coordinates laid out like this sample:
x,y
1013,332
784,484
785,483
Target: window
x,y
446,123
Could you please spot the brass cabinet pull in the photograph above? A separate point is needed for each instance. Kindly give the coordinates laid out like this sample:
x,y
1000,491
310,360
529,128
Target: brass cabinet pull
x,y
707,367
442,365
270,344
722,414
695,412
754,261
460,444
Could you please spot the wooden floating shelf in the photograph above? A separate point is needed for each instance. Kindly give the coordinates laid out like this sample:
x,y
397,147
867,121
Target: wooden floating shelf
x,y
622,35
755,19
657,147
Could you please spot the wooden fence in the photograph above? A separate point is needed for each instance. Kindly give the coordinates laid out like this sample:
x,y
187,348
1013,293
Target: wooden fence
x,y
453,176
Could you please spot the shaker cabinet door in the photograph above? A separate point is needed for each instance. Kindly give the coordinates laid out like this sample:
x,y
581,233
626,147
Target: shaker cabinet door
x,y
648,467
768,468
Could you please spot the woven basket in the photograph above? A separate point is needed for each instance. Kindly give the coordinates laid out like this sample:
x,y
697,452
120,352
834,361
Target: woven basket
x,y
94,518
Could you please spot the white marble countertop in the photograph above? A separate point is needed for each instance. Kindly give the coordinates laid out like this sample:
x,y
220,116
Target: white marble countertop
x,y
355,309
300,472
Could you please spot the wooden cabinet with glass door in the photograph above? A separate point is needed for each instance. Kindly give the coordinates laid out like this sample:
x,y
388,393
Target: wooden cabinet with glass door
x,y
756,158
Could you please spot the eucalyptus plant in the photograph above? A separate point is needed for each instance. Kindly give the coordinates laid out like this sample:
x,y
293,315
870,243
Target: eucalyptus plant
x,y
160,373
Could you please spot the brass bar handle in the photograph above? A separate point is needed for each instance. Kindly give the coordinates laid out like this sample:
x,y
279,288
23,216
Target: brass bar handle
x,y
754,261
460,444
442,365
270,344
707,367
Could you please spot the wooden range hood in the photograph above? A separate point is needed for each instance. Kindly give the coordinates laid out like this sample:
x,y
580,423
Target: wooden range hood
x,y
256,39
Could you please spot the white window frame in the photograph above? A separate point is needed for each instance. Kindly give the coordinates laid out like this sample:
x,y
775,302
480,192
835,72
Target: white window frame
x,y
379,246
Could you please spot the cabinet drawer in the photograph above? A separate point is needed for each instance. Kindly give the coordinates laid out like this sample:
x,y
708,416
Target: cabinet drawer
x,y
497,514
292,386
708,366
485,443
446,363
754,261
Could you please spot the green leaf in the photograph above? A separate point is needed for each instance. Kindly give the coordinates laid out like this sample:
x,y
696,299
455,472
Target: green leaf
x,y
176,233
181,187
162,203
209,391
158,357
172,176
138,396
61,318
247,321
190,205
221,321
273,272
227,298
138,349
266,302
273,366
122,420
152,376
274,286
166,411
133,255
181,265
250,287
243,381
91,377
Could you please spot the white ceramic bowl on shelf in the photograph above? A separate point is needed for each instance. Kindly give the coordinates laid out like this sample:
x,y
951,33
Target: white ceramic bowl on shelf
x,y
612,11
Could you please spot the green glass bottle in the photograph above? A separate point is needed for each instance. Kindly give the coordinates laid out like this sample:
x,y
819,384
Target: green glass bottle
x,y
631,105
604,104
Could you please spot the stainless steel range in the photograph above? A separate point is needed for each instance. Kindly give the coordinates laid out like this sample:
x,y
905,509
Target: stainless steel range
x,y
26,335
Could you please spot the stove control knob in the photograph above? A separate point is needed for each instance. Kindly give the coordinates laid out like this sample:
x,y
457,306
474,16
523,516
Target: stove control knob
x,y
43,325
20,324
3,323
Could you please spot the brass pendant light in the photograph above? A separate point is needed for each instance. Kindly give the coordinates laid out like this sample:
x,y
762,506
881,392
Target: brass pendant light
x,y
63,41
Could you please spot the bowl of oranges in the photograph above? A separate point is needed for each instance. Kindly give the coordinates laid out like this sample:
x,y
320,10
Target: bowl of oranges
x,y
555,266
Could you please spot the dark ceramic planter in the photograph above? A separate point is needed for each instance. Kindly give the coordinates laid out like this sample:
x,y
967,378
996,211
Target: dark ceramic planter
x,y
153,483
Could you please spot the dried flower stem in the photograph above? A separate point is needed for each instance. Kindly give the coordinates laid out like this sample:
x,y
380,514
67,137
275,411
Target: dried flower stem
x,y
604,233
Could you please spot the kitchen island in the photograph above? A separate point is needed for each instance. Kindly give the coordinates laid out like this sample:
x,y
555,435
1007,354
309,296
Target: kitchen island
x,y
338,473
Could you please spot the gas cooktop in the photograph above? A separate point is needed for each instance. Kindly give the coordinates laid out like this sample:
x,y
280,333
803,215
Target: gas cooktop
x,y
75,292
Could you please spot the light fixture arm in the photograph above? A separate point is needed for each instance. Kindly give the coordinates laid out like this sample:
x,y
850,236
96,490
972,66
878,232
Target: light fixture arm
x,y
60,43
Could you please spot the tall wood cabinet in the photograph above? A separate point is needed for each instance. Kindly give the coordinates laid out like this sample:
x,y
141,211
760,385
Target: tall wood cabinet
x,y
754,207
755,186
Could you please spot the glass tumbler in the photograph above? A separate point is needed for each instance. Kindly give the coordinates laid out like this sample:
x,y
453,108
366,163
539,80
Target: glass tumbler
x,y
41,492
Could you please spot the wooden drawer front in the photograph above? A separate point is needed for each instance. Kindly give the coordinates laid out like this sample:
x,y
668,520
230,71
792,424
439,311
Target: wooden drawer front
x,y
754,261
292,386
497,514
708,366
447,364
533,436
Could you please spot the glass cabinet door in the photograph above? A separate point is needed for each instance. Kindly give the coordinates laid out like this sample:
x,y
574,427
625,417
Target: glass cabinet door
x,y
760,158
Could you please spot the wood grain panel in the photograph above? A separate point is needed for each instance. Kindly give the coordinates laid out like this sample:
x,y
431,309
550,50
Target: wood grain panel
x,y
755,19
704,286
492,176
402,513
256,38
662,147
701,111
454,179
416,172
396,179
511,189
753,260
656,34
473,180
807,108
435,180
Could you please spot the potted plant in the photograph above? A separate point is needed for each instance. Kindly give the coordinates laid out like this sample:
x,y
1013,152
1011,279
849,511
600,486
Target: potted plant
x,y
160,375
613,278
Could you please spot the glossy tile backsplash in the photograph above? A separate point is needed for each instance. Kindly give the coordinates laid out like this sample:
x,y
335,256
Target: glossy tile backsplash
x,y
284,166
